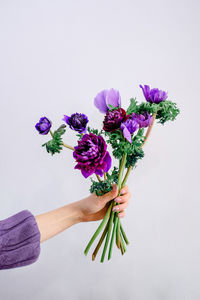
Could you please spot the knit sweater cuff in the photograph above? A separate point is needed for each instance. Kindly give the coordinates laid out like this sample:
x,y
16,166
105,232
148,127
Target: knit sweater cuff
x,y
19,240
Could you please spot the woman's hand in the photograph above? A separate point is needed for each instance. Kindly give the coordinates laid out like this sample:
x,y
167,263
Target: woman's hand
x,y
94,207
91,208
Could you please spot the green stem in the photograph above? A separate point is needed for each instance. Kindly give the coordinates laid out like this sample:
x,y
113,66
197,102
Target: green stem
x,y
120,176
98,177
112,237
126,176
108,234
68,146
51,132
118,231
119,225
149,128
122,249
117,236
98,229
123,233
121,171
122,243
100,242
146,138
65,145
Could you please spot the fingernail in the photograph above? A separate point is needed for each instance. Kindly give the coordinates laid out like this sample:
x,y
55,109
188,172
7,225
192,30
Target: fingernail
x,y
114,187
122,192
117,199
115,208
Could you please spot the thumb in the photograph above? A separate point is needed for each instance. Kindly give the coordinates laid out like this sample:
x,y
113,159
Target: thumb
x,y
111,195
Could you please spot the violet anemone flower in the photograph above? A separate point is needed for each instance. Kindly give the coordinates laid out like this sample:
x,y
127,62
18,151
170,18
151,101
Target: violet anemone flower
x,y
128,128
144,120
43,126
106,98
77,122
114,118
91,155
153,95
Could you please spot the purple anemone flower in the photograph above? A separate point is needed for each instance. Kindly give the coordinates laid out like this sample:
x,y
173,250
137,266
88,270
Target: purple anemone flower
x,y
144,120
106,98
77,122
153,95
128,128
91,155
113,119
43,126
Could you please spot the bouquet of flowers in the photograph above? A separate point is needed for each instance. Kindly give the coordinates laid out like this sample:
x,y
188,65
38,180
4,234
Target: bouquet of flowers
x,y
126,131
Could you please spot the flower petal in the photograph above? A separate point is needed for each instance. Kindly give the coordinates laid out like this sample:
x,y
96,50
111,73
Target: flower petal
x,y
66,119
126,133
108,162
87,172
146,90
99,172
113,98
100,101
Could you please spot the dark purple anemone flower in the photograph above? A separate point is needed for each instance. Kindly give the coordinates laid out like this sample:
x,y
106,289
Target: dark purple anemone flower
x,y
153,95
113,119
91,155
43,126
144,120
128,128
77,122
106,98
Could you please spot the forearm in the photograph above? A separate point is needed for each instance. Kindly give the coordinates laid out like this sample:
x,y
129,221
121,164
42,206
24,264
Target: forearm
x,y
56,221
92,208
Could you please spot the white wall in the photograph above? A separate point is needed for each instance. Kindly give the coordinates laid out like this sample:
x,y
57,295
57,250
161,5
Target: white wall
x,y
54,57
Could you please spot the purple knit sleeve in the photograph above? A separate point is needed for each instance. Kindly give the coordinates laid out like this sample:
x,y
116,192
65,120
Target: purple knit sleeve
x,y
19,240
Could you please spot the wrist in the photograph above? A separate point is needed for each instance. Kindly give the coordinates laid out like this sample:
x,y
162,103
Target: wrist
x,y
77,214
82,216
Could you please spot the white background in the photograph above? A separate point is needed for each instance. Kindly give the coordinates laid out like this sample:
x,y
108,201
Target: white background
x,y
54,58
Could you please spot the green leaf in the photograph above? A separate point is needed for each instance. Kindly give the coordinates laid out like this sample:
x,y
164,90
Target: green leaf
x,y
55,144
112,107
100,188
60,131
94,131
151,108
117,142
135,151
132,107
79,136
134,157
167,111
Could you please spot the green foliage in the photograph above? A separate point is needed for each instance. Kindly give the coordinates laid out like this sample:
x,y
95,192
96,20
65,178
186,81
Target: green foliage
x,y
135,152
134,157
94,131
113,177
142,107
133,107
121,146
112,107
167,111
79,136
55,144
100,188
151,108
117,142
